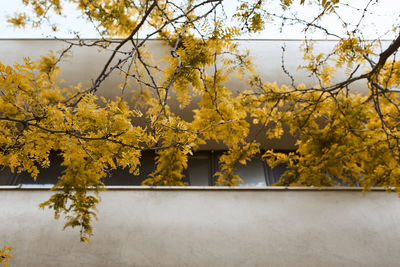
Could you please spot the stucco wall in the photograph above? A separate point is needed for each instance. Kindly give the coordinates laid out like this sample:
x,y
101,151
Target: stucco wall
x,y
210,227
83,64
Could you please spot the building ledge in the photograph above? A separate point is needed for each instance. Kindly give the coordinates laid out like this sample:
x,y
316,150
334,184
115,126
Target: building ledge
x,y
206,188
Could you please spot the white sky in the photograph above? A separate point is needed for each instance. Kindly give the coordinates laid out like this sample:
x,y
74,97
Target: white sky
x,y
387,15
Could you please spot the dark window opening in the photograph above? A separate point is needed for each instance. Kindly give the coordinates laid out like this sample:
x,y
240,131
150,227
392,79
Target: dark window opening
x,y
123,177
200,172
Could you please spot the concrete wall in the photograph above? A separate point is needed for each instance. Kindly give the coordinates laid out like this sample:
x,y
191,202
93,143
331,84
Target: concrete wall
x,y
210,227
84,63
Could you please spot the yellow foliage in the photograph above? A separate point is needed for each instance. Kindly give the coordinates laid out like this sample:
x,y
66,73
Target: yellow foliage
x,y
5,255
18,21
341,138
236,154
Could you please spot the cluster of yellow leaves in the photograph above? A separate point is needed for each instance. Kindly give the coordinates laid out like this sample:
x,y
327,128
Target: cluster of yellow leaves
x,y
220,115
251,15
327,5
18,21
390,75
5,255
340,142
351,51
231,158
117,18
318,64
111,17
92,136
340,138
40,10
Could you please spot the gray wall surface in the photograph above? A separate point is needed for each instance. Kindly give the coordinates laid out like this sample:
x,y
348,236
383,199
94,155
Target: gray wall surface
x,y
210,227
83,64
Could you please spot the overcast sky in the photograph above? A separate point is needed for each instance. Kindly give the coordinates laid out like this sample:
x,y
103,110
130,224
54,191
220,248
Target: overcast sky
x,y
386,15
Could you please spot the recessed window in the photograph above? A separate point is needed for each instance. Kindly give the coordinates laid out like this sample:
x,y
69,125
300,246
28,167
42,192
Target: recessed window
x,y
252,173
200,172
199,169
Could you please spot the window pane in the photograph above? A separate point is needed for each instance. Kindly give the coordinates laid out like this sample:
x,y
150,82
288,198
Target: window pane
x,y
252,173
5,175
276,173
46,175
123,177
199,171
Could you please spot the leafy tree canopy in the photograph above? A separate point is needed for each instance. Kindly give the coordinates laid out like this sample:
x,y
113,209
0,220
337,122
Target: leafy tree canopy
x,y
342,137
